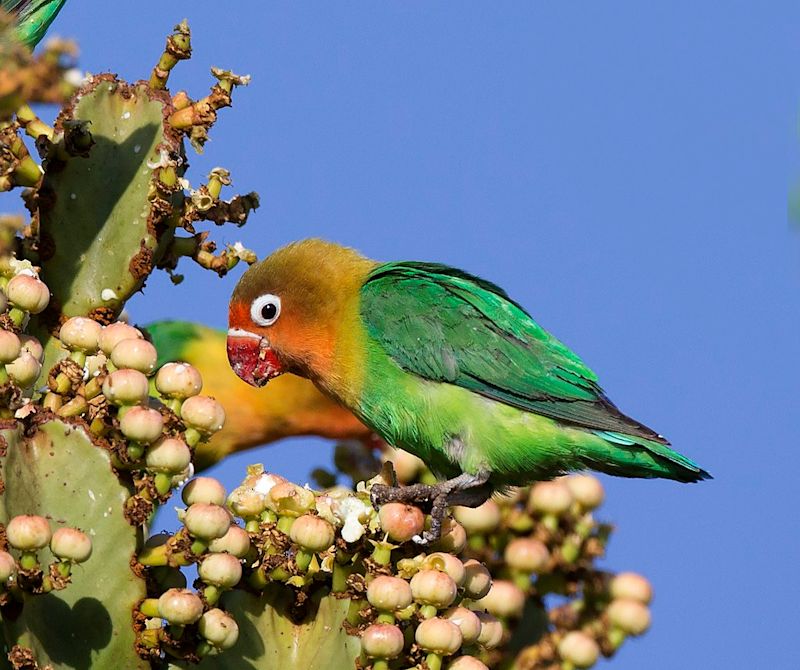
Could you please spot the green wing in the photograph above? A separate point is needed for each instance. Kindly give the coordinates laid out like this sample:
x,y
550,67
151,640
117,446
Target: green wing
x,y
32,17
449,326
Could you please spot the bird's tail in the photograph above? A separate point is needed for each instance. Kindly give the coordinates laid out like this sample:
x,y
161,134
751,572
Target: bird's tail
x,y
628,456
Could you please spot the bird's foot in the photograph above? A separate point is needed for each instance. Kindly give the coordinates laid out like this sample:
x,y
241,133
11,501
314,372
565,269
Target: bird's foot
x,y
420,495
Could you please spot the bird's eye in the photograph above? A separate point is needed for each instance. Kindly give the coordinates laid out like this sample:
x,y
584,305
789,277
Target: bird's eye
x,y
265,309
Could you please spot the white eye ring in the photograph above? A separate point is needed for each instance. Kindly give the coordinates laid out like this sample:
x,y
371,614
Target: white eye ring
x,y
269,303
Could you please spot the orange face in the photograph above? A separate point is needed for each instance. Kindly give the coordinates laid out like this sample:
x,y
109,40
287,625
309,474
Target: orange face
x,y
286,311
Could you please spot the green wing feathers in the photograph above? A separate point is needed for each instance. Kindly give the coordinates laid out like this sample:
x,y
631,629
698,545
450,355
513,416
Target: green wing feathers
x,y
32,17
445,325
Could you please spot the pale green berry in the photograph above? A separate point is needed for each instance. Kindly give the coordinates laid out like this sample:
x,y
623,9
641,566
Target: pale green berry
x,y
505,599
550,497
32,346
235,542
439,636
246,502
135,353
125,387
79,333
203,490
142,424
71,544
28,293
169,455
466,663
24,369
477,579
202,413
586,490
223,570
178,380
632,586
432,587
578,648
219,628
491,634
180,607
382,640
287,498
527,554
401,522
206,521
312,533
467,621
448,563
630,616
479,520
28,532
8,567
388,593
114,333
453,538
10,346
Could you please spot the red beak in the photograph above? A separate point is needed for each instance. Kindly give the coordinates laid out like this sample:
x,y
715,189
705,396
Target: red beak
x,y
251,358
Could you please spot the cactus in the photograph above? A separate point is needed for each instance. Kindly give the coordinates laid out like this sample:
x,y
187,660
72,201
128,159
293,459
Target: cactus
x,y
94,439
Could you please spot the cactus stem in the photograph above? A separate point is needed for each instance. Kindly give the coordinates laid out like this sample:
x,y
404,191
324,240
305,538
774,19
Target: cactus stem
x,y
382,554
28,560
52,401
179,47
252,526
434,661
258,580
192,437
27,172
285,523
92,388
567,665
427,611
616,637
303,559
570,550
354,612
175,405
17,315
74,407
280,574
385,617
33,125
550,521
181,100
79,357
64,568
63,383
163,483
212,594
135,451
3,374
198,547
380,664
340,575
522,580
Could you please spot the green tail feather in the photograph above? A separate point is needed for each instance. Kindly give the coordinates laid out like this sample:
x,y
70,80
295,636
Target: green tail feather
x,y
32,17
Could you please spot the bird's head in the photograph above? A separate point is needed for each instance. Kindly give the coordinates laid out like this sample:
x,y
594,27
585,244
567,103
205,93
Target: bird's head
x,y
287,310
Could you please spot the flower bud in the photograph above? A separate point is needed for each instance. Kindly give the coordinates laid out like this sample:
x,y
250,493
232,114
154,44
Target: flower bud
x,y
135,353
219,628
467,663
382,640
125,387
203,490
448,563
479,520
169,455
578,648
178,380
631,586
142,424
180,607
8,567
223,570
114,333
71,544
491,634
28,533
431,587
287,498
401,522
32,346
312,533
24,369
28,293
477,579
453,538
203,414
10,346
467,621
79,333
550,497
505,599
586,490
527,554
439,636
389,594
630,616
235,542
206,521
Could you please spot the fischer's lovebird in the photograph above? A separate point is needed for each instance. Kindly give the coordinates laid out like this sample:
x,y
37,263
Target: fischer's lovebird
x,y
440,363
292,406
32,18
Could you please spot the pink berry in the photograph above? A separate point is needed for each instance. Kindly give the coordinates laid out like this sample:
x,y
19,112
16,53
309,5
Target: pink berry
x,y
431,587
178,380
505,599
10,346
235,542
467,663
8,567
24,369
467,621
79,333
527,554
169,455
142,424
289,499
477,579
71,544
479,520
578,648
203,490
223,570
207,522
382,640
630,616
406,466
32,346
389,594
401,522
448,563
587,490
439,636
550,497
28,533
453,538
125,387
28,293
491,630
631,586
203,414
219,628
312,533
114,333
135,353
180,606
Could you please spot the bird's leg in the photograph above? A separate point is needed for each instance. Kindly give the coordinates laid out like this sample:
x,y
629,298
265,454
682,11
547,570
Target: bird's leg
x,y
418,494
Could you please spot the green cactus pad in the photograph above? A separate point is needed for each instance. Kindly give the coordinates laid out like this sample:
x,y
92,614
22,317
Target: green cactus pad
x,y
97,214
61,474
270,640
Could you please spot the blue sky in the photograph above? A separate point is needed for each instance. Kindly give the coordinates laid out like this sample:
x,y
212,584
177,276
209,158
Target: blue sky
x,y
621,169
